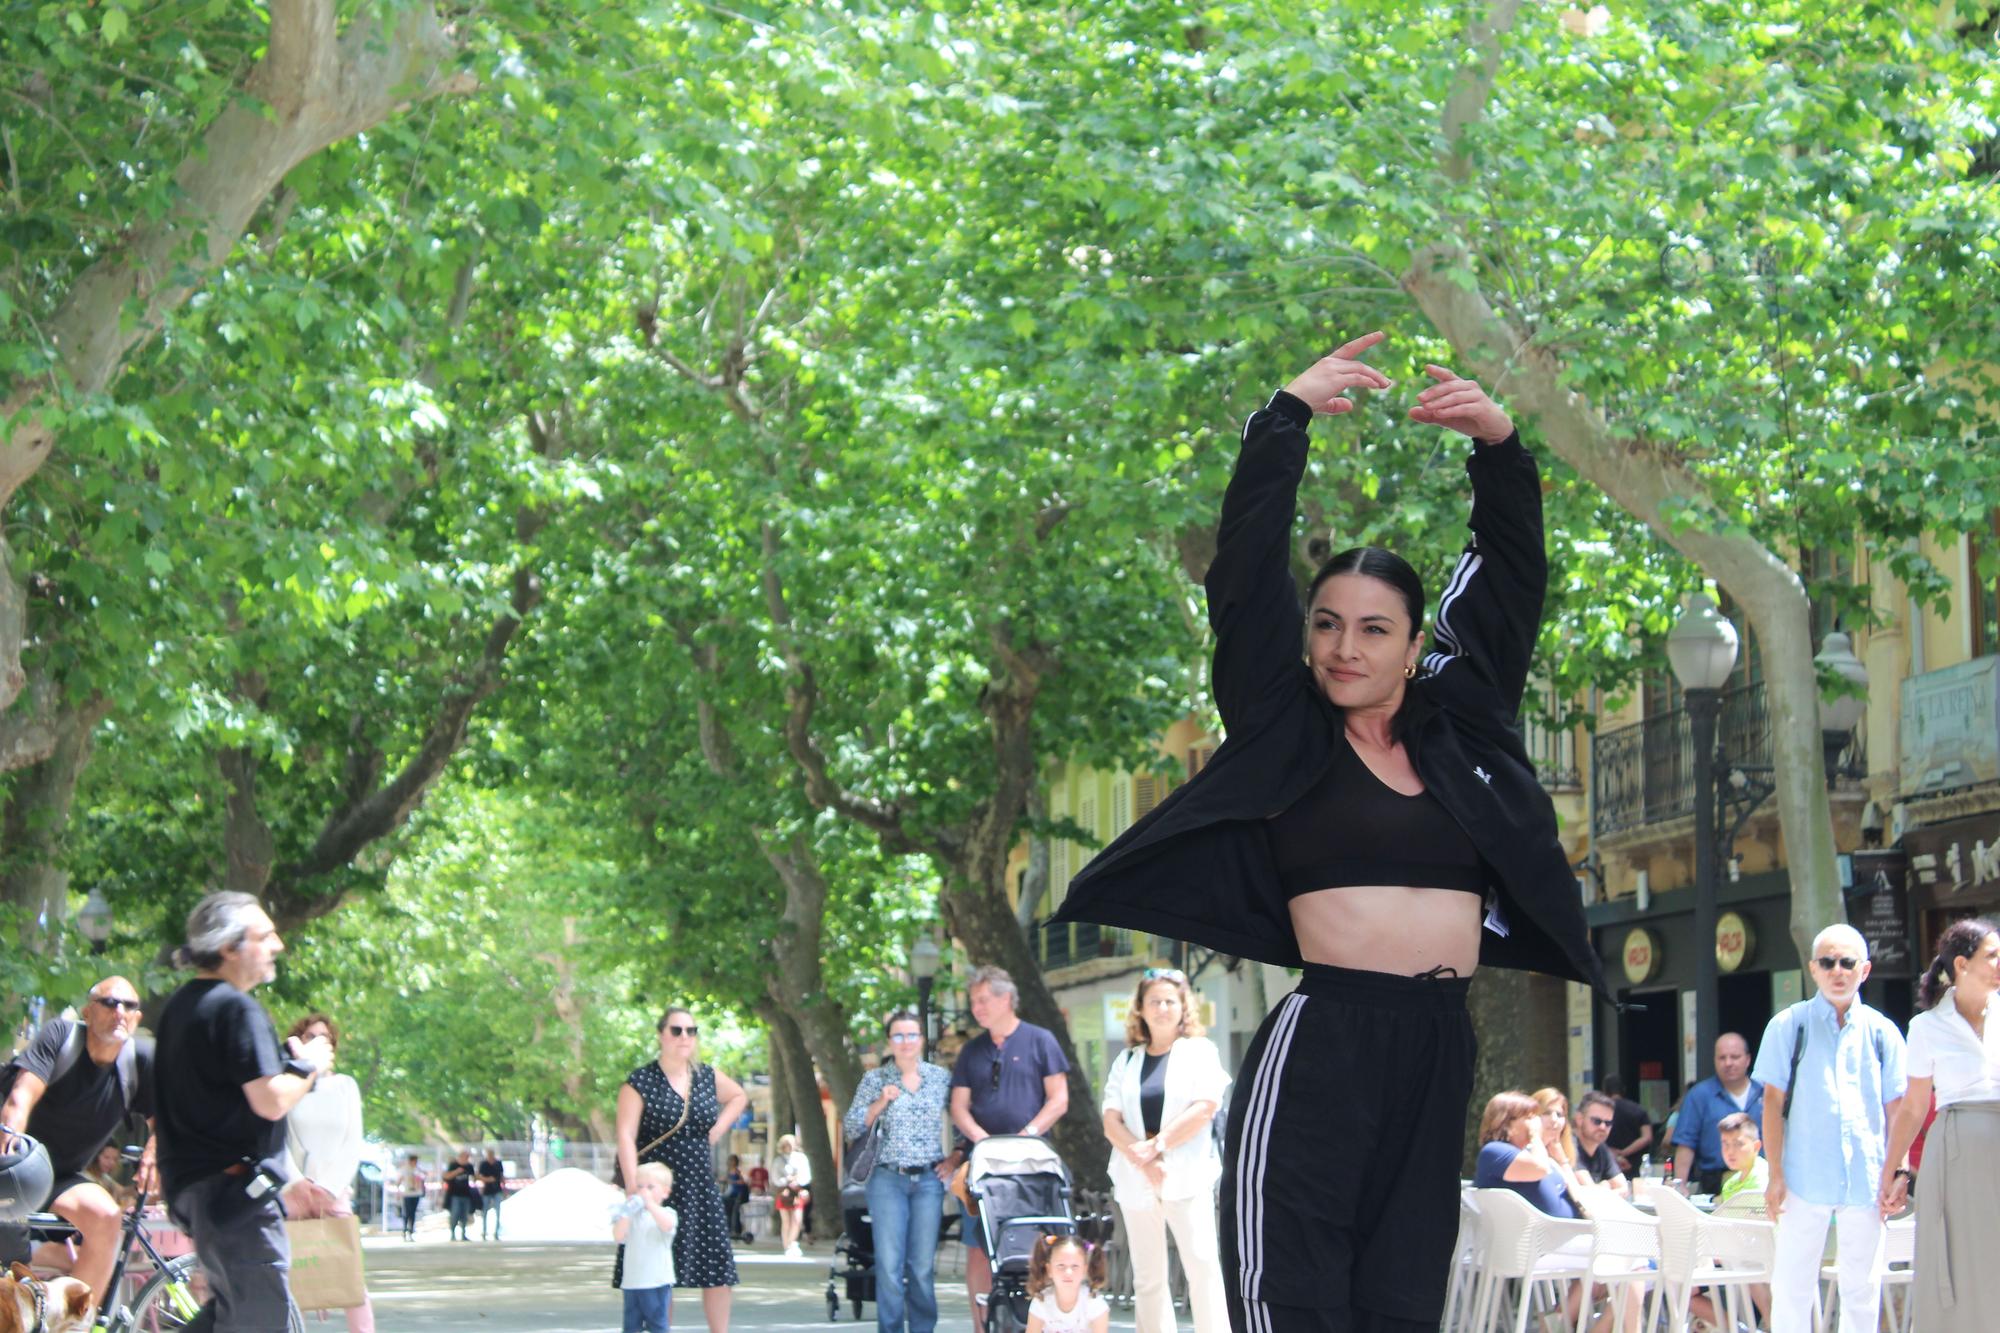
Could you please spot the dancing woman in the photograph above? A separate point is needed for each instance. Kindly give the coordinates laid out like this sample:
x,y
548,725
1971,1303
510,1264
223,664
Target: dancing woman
x,y
1373,818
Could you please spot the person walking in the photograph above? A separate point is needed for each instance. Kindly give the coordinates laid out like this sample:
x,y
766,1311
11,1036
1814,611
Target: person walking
x,y
1954,1051
492,1191
906,1095
675,1110
1697,1132
1373,819
225,1087
1833,1076
461,1194
1160,1100
323,1135
791,1191
70,1089
410,1183
1010,1079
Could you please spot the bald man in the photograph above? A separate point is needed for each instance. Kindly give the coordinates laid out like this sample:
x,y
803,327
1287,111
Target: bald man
x,y
1698,1131
73,1087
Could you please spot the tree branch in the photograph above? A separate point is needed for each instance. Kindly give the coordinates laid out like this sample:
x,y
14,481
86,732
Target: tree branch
x,y
1473,87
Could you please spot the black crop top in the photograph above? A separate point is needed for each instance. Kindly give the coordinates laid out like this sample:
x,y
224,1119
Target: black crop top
x,y
1351,828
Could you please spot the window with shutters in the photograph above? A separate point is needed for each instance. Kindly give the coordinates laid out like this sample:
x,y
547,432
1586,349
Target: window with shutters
x,y
1086,815
1145,794
1198,757
1121,804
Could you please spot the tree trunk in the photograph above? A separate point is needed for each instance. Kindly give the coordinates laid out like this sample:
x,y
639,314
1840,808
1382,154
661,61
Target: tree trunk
x,y
823,1025
37,822
813,1136
1653,485
784,1120
1521,1021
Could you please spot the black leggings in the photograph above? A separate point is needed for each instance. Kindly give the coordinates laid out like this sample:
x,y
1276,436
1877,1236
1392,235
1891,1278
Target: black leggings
x,y
1340,1180
410,1202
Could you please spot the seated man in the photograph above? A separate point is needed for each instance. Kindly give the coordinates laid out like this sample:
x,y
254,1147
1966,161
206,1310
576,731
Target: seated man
x,y
70,1089
1742,1195
1595,1115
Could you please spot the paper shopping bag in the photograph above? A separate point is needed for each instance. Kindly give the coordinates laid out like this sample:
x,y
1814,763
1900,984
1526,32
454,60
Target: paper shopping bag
x,y
326,1263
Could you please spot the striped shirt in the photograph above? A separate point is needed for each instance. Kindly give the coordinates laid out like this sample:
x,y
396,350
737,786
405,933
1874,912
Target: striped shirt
x,y
913,1133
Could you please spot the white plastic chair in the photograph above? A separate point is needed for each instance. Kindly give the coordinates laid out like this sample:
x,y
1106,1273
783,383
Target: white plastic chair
x,y
1726,1255
1624,1253
1899,1260
1464,1266
1520,1243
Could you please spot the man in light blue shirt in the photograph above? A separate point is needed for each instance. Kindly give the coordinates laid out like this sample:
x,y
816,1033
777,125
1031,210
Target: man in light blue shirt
x,y
1832,1070
1697,1131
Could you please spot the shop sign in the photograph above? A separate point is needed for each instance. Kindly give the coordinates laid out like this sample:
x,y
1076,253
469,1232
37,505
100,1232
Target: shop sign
x,y
1642,956
1878,905
1951,727
1957,859
1735,941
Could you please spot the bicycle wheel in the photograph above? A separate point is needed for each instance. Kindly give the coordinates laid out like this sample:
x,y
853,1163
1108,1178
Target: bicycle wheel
x,y
174,1295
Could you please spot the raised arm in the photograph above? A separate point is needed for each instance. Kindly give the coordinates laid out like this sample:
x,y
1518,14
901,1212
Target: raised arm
x,y
1491,611
1253,600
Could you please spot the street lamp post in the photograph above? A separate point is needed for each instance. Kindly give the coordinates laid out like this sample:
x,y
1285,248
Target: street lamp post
x,y
1702,651
93,920
924,956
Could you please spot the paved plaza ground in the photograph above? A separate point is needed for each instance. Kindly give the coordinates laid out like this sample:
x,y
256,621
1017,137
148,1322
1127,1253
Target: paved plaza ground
x,y
498,1287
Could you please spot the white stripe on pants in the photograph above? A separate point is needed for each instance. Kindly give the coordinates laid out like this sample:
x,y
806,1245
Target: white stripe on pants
x,y
1193,1223
1795,1270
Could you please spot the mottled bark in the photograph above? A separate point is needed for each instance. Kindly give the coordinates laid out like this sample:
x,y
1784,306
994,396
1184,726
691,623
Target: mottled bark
x,y
1522,1023
810,1115
34,879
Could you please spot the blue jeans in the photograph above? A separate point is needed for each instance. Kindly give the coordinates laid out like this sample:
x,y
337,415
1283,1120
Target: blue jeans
x,y
907,1209
648,1309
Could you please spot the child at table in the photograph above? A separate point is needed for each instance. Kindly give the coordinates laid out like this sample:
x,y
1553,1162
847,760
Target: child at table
x,y
1742,1195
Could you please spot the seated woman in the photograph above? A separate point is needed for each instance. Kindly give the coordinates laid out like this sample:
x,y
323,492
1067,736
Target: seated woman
x,y
1514,1154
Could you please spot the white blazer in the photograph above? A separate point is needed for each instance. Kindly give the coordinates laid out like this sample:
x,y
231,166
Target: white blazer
x,y
1194,1074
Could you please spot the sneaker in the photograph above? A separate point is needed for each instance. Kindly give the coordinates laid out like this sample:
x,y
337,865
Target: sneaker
x,y
794,1252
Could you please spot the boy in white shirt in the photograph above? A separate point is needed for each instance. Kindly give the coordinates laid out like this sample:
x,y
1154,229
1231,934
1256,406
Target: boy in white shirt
x,y
645,1226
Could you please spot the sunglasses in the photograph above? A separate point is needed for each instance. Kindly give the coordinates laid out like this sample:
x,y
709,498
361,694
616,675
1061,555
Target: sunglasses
x,y
1595,1123
1844,964
993,1081
676,1030
113,1002
906,1036
1166,974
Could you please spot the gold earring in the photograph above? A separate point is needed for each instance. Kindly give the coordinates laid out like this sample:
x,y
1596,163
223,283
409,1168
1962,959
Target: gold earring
x,y
1410,671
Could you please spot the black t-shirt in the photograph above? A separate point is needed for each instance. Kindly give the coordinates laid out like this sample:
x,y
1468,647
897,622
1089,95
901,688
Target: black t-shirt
x,y
458,1180
1628,1118
492,1178
1152,1090
212,1040
80,1111
1601,1165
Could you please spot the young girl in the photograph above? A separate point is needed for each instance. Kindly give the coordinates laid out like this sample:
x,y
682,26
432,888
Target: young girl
x,y
1062,1277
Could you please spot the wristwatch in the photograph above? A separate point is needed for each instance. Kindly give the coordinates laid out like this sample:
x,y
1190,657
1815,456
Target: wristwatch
x,y
1907,1174
303,1068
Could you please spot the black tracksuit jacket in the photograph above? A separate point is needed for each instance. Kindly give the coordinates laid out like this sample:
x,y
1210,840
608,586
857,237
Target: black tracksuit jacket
x,y
1199,866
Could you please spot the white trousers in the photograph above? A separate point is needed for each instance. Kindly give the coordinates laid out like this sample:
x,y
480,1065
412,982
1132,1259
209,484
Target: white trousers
x,y
1801,1246
1193,1223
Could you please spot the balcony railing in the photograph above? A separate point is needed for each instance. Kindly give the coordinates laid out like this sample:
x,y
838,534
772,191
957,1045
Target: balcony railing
x,y
1553,751
1077,941
1644,774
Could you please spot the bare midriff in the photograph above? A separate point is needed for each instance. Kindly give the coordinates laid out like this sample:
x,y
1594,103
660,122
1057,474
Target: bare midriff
x,y
1389,928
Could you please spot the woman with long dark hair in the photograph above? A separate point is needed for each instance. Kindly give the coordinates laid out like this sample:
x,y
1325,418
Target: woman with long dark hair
x,y
1954,1051
1373,818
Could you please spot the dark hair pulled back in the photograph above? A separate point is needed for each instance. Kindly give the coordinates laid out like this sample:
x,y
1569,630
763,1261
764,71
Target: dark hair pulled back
x,y
1960,940
1384,566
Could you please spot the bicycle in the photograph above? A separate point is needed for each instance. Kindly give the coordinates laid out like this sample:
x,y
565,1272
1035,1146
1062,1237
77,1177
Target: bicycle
x,y
170,1297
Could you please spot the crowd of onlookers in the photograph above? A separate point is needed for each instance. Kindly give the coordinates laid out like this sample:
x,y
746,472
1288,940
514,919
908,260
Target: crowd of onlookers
x,y
1824,1129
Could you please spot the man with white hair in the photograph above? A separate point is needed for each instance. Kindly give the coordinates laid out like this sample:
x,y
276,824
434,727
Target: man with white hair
x,y
1832,1070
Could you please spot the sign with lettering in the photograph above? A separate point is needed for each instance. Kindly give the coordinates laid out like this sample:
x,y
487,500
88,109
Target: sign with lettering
x,y
1735,941
1642,956
1878,905
1951,727
1957,861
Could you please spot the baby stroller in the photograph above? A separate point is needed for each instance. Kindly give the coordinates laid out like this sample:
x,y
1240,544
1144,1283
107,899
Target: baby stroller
x,y
853,1270
1022,1191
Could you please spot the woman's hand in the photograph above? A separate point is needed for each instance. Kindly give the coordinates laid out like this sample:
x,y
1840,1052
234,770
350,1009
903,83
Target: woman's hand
x,y
1321,385
1460,404
890,1092
1145,1150
1156,1175
1895,1188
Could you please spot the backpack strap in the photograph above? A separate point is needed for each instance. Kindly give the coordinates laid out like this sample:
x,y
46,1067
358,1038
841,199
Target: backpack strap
x,y
1798,1050
73,1048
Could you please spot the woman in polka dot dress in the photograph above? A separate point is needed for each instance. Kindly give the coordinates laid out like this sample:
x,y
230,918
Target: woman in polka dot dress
x,y
677,1091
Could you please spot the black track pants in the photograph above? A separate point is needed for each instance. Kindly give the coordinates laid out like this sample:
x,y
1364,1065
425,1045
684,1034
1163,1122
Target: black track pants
x,y
1340,1179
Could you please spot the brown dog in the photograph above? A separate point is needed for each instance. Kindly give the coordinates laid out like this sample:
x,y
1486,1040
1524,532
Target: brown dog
x,y
30,1305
